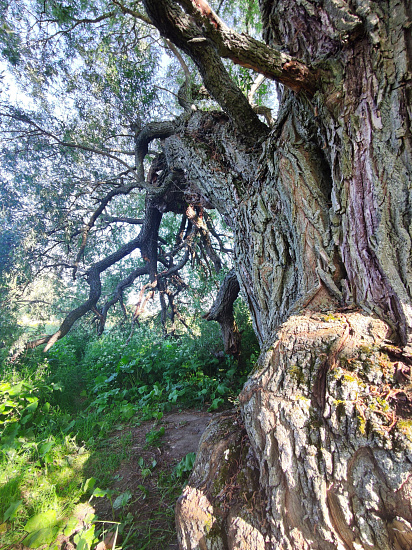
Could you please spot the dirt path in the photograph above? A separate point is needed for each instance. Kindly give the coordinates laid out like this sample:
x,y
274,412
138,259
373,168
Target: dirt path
x,y
147,475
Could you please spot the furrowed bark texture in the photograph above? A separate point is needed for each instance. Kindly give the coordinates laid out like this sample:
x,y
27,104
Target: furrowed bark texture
x,y
322,216
321,464
364,118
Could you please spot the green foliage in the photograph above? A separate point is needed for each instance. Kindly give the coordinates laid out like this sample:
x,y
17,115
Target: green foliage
x,y
11,237
57,414
24,413
40,463
241,14
153,436
122,500
90,87
42,529
185,466
153,373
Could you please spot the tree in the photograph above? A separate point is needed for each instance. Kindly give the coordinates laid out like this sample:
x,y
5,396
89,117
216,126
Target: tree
x,y
85,229
320,210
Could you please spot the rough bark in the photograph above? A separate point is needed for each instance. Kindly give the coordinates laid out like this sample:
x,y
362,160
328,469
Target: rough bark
x,y
322,219
362,117
322,463
321,210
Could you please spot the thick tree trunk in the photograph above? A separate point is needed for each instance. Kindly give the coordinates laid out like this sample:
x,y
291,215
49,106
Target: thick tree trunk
x,y
323,464
322,216
363,121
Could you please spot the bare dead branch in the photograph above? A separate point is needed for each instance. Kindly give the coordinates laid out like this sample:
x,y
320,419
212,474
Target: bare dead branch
x,y
266,112
197,219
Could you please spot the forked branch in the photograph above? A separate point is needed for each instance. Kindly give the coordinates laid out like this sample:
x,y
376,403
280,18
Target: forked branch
x,y
240,48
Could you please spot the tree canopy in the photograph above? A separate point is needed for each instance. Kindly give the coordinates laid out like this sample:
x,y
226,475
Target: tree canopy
x,y
89,200
142,117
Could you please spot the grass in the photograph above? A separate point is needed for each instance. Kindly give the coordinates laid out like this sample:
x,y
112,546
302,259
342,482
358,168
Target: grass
x,y
67,429
36,487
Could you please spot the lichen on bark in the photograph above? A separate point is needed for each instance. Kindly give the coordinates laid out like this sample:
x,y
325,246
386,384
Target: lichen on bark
x,y
322,221
334,471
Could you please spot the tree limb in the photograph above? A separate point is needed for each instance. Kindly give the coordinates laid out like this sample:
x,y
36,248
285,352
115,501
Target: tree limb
x,y
124,190
254,88
249,52
151,131
116,219
185,93
136,14
183,31
118,294
222,312
151,224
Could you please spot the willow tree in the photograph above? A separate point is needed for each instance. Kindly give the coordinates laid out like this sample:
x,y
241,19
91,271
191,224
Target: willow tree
x,y
320,207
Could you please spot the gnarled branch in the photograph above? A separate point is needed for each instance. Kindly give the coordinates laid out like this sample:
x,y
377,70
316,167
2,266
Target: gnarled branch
x,y
247,51
185,33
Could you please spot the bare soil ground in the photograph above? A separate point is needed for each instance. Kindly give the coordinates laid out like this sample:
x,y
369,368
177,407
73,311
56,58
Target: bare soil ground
x,y
153,495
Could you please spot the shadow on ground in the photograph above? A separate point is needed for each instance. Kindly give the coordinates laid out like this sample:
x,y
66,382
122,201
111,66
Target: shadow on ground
x,y
147,474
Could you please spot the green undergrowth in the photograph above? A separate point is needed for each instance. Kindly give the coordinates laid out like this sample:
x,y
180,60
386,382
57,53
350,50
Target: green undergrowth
x,y
58,414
